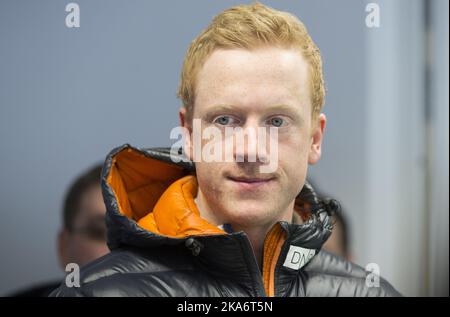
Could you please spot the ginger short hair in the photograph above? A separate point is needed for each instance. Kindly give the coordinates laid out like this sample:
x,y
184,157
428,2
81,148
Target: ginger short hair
x,y
250,27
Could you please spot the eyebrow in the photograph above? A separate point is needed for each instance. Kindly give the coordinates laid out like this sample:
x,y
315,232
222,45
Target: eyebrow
x,y
273,108
285,108
224,108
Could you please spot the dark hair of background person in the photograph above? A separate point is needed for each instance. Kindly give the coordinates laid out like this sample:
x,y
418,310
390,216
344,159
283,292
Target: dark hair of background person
x,y
341,220
71,205
341,232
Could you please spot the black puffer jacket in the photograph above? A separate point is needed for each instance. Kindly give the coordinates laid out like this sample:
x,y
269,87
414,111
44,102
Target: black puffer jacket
x,y
161,247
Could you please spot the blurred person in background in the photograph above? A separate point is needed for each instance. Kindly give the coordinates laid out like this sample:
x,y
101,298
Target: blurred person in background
x,y
338,243
82,237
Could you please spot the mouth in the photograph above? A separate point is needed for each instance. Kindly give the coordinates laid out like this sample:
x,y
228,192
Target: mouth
x,y
251,183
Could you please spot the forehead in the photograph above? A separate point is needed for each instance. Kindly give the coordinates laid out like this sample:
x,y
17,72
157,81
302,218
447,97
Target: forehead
x,y
267,74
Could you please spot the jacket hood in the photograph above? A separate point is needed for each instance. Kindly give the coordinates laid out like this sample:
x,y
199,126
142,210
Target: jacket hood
x,y
149,201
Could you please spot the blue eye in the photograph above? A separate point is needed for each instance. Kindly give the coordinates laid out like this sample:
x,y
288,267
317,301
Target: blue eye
x,y
224,120
276,122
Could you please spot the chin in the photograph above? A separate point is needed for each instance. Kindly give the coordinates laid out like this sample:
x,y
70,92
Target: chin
x,y
248,214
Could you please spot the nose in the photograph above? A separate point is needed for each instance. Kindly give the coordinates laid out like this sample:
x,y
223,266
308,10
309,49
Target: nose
x,y
250,143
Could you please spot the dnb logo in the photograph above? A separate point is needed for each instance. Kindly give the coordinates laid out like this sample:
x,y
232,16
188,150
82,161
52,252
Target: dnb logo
x,y
297,257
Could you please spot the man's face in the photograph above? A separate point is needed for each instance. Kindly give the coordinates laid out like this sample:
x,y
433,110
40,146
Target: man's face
x,y
267,87
87,241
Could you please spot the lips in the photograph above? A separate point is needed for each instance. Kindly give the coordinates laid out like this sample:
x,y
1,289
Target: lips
x,y
251,182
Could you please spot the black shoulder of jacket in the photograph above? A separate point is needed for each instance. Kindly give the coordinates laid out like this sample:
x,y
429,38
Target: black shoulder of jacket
x,y
330,275
121,271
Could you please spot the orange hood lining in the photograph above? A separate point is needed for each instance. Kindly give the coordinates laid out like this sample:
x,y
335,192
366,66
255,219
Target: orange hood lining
x,y
157,195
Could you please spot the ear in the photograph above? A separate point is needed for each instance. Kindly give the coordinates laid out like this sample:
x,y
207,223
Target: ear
x,y
63,247
188,149
318,129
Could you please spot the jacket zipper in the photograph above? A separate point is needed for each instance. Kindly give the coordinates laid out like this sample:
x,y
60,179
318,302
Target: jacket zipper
x,y
273,247
253,266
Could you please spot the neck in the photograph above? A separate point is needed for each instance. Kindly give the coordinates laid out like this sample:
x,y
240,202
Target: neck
x,y
255,234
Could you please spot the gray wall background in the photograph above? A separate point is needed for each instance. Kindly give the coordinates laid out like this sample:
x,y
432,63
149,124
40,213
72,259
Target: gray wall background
x,y
68,96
